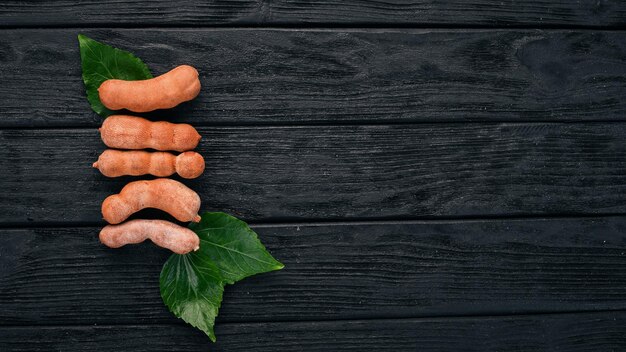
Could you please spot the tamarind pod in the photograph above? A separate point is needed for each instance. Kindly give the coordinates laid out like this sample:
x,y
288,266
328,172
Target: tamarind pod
x,y
115,163
164,194
131,132
163,92
163,233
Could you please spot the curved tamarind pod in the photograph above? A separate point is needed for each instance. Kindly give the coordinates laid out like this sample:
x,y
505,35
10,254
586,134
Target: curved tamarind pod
x,y
163,92
114,163
168,195
163,233
130,132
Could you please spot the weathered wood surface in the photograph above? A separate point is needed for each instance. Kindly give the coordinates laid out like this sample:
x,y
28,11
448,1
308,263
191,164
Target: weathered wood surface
x,y
587,332
331,140
340,172
334,76
489,13
436,268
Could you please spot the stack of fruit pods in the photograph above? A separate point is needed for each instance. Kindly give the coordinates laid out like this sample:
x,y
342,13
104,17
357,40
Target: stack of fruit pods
x,y
128,136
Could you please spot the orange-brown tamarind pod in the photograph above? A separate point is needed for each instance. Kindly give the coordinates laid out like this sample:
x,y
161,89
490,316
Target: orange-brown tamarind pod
x,y
130,132
115,163
165,194
163,233
164,92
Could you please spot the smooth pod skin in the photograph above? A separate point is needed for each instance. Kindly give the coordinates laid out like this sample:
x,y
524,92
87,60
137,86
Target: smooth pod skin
x,y
130,132
164,92
115,163
163,233
165,194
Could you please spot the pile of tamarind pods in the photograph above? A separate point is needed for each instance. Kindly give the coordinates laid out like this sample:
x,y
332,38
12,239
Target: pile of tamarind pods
x,y
128,136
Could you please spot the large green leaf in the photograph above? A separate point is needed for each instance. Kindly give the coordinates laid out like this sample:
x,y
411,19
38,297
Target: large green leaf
x,y
192,289
101,62
192,284
233,247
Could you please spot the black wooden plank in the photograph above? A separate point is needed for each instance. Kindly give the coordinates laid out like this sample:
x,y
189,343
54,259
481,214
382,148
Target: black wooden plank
x,y
591,332
334,76
350,271
341,172
488,13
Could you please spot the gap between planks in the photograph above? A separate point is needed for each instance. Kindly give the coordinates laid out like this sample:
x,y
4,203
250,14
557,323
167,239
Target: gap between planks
x,y
319,26
434,318
363,123
345,222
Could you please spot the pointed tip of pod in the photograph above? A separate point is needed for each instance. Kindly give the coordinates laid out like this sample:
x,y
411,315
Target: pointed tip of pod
x,y
197,218
95,164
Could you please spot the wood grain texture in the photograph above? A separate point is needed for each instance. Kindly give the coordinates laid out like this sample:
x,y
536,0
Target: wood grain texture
x,y
351,271
488,13
569,332
334,76
341,172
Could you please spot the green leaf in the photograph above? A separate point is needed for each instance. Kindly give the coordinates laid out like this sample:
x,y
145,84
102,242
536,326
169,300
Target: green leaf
x,y
233,247
192,284
101,62
192,289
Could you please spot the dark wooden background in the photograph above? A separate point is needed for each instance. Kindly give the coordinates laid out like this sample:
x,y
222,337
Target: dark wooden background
x,y
435,175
